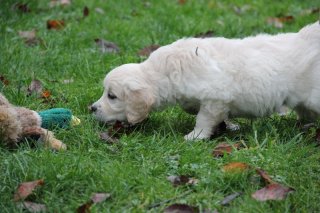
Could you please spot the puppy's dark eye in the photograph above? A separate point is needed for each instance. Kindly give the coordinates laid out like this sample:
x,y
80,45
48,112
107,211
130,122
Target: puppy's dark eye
x,y
111,96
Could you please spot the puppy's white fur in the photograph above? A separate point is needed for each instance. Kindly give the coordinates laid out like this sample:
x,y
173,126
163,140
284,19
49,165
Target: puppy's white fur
x,y
219,78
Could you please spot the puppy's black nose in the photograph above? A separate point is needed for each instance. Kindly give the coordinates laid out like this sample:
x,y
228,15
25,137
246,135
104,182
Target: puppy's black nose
x,y
93,108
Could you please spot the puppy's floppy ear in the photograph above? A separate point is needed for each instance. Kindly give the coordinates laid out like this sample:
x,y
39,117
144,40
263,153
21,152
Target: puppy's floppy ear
x,y
139,100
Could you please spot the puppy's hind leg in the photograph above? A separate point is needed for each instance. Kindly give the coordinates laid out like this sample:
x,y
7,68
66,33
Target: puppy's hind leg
x,y
208,117
306,115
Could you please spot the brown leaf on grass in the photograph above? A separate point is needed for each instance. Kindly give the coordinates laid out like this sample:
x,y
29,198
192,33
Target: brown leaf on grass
x,y
46,94
264,175
54,3
182,2
100,197
29,37
279,21
32,207
272,191
224,147
35,87
55,24
235,167
85,208
4,80
182,180
181,208
242,9
95,198
146,51
108,138
114,132
85,11
99,10
22,7
107,46
31,34
230,198
26,188
117,129
209,33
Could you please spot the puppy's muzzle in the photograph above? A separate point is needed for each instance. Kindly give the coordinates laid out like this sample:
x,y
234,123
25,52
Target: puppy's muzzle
x,y
93,108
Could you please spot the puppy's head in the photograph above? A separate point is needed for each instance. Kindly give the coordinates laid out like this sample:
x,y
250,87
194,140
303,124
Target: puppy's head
x,y
127,96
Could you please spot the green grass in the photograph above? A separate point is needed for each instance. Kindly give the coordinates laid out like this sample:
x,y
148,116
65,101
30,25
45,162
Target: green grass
x,y
135,171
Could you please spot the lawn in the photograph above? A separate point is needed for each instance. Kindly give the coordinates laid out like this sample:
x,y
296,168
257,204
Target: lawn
x,y
134,171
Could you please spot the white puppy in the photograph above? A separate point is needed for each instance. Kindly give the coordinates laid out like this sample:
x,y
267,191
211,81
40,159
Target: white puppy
x,y
219,78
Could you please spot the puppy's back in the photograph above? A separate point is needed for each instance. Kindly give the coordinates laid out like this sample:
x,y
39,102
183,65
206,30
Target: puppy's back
x,y
311,32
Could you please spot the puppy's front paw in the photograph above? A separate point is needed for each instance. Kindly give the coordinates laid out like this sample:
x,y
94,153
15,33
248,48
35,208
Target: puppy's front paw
x,y
196,135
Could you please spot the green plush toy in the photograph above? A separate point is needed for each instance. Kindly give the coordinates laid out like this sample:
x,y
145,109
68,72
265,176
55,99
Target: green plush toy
x,y
57,117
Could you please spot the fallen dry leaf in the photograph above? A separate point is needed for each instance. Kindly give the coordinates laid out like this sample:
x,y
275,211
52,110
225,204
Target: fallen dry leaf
x,y
224,147
146,51
147,4
32,207
117,127
22,7
107,46
108,138
35,87
114,132
182,2
26,188
181,208
100,197
55,24
85,208
182,180
279,21
31,34
54,3
230,198
85,11
46,94
4,80
236,167
264,176
99,10
209,33
242,9
272,191
29,37
95,198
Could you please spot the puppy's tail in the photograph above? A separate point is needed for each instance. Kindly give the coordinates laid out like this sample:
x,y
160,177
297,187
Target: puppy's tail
x,y
311,31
